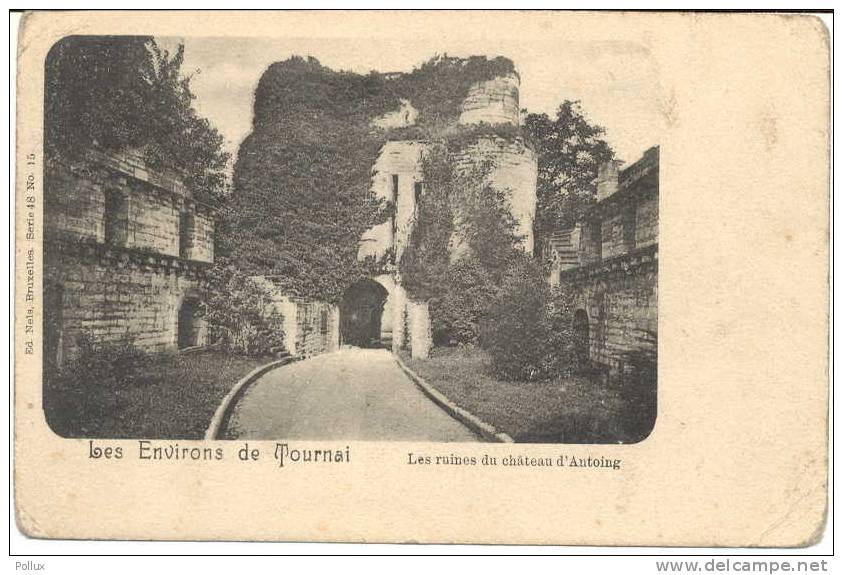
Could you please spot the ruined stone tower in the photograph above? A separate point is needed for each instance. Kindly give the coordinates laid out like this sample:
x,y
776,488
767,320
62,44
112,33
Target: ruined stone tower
x,y
398,179
514,165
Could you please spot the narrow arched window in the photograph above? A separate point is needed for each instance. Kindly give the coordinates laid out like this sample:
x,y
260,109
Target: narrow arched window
x,y
116,218
186,223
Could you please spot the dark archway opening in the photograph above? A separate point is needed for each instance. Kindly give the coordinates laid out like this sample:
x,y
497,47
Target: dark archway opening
x,y
581,342
361,310
189,323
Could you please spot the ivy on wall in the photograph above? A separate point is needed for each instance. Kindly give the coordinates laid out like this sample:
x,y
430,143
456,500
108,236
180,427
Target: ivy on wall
x,y
302,181
461,244
439,86
301,189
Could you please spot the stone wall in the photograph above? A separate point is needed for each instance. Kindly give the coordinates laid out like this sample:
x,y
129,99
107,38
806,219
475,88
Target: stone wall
x,y
419,336
150,218
515,169
634,226
622,308
310,327
616,281
111,296
398,163
153,222
197,223
317,328
607,179
627,219
614,233
120,265
647,221
75,204
405,323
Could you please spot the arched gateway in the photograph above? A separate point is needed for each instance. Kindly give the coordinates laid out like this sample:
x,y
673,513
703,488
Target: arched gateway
x,y
361,314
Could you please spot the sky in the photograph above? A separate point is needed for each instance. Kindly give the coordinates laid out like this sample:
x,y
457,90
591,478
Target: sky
x,y
616,82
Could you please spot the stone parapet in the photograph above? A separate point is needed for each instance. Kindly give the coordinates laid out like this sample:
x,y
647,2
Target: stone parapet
x,y
111,296
132,164
624,263
96,201
494,101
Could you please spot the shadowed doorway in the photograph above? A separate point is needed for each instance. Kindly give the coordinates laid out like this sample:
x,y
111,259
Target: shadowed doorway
x,y
189,325
581,341
360,314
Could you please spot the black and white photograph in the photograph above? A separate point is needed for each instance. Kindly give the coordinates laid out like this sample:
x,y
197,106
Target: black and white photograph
x,y
245,238
388,277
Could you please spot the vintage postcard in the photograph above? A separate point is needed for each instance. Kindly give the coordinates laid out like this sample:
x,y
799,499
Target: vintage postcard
x,y
397,277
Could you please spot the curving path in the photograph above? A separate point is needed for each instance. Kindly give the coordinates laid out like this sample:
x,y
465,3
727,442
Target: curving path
x,y
354,394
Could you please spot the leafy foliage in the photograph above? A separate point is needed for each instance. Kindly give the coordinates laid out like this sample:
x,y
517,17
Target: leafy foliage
x,y
484,219
456,313
238,312
427,256
302,182
460,245
301,191
114,93
529,336
439,86
105,364
569,150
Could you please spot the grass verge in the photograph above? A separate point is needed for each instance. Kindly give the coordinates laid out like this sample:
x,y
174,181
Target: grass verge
x,y
165,397
564,410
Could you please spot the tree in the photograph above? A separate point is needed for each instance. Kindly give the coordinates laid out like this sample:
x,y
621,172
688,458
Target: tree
x,y
569,150
528,331
125,92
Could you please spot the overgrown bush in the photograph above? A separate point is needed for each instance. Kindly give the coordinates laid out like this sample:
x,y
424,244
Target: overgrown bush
x,y
462,241
101,364
528,330
457,312
239,314
74,394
